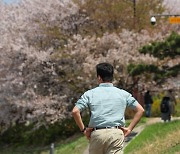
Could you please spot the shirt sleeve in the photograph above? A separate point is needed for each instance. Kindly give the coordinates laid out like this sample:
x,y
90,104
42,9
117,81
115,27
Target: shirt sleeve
x,y
82,103
131,101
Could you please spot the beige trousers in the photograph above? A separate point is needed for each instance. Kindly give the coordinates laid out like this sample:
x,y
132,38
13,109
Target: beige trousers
x,y
106,141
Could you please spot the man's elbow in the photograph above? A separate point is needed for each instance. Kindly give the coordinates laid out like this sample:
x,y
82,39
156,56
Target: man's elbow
x,y
140,109
75,111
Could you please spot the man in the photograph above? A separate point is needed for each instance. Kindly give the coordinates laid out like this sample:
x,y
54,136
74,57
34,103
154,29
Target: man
x,y
148,103
106,129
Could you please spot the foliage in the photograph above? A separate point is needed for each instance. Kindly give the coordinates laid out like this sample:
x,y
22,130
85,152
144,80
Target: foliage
x,y
144,10
27,40
141,68
110,15
166,48
27,135
167,51
177,108
156,105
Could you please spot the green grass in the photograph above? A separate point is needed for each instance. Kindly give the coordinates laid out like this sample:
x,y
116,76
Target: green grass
x,y
173,150
142,121
153,133
75,147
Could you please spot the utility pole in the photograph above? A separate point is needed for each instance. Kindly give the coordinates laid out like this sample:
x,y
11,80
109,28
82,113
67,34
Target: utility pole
x,y
134,17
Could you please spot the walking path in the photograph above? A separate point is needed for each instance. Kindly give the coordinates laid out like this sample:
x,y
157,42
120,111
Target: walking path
x,y
137,130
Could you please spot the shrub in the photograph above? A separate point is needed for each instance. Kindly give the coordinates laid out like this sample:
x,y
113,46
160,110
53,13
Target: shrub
x,y
156,107
46,134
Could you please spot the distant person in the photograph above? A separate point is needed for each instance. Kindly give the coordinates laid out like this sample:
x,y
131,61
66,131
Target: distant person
x,y
106,130
172,100
165,108
148,101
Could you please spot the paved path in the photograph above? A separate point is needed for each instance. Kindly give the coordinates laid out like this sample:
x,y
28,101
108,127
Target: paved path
x,y
137,130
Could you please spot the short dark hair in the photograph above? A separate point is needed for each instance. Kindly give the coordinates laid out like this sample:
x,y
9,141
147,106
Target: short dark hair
x,y
105,71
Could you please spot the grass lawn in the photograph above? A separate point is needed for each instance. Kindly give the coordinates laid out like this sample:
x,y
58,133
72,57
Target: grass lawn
x,y
74,147
160,138
142,121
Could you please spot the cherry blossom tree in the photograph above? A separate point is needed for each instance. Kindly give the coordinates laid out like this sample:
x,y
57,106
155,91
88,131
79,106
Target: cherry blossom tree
x,y
47,59
24,65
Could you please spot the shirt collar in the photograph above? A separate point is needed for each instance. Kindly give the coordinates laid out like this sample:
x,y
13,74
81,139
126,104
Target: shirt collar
x,y
105,85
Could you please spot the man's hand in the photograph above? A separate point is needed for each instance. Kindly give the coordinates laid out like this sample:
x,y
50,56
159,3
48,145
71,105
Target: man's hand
x,y
139,112
126,131
87,133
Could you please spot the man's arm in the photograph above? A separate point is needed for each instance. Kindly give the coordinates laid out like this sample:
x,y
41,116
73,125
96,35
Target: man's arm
x,y
139,112
77,117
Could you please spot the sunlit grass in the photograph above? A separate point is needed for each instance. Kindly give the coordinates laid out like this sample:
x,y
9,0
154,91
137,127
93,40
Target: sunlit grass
x,y
157,138
142,121
75,147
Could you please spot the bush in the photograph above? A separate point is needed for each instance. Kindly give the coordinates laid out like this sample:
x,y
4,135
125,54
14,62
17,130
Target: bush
x,y
156,106
129,114
26,135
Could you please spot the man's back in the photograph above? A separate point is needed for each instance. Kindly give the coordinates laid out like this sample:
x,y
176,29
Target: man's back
x,y
107,105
